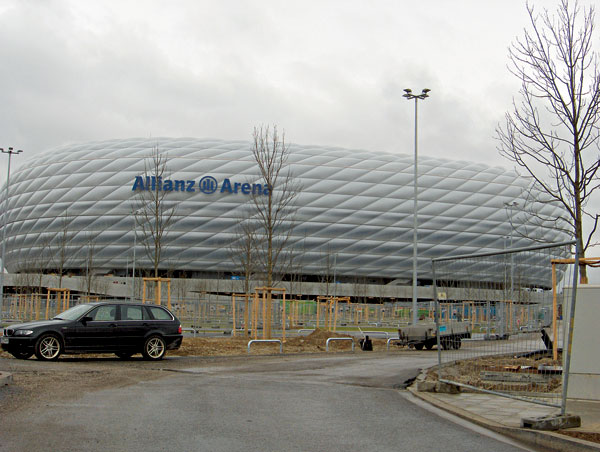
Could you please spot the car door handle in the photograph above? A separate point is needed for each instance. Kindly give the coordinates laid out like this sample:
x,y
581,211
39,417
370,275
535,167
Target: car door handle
x,y
113,324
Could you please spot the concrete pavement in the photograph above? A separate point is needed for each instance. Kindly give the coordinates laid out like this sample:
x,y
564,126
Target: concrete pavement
x,y
503,415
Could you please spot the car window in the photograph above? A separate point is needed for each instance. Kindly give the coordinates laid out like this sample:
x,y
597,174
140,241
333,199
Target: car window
x,y
75,312
104,313
132,313
159,313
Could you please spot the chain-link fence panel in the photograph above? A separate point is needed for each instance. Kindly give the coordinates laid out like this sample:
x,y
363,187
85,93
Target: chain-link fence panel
x,y
499,321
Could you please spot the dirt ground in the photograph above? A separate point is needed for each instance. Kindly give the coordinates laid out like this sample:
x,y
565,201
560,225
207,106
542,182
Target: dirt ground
x,y
228,346
470,372
74,375
312,343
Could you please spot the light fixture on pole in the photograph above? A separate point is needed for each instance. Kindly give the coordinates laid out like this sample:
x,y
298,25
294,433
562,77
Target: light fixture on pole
x,y
410,96
10,152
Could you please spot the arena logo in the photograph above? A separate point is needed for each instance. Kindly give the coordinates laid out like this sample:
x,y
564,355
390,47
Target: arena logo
x,y
207,185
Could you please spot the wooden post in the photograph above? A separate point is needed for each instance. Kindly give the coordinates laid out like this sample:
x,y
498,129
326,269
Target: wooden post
x,y
335,319
233,313
554,315
283,334
268,301
47,304
169,294
246,316
264,313
37,306
318,312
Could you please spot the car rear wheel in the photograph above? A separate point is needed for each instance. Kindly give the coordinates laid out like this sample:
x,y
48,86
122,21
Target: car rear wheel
x,y
22,355
419,346
48,348
124,355
155,348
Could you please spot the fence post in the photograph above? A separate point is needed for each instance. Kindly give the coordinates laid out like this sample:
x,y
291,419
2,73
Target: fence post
x,y
436,318
567,358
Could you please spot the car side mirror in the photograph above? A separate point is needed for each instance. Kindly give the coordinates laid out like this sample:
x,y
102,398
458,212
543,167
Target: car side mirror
x,y
86,319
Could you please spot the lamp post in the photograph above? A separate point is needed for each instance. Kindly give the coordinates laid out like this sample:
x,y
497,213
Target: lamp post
x,y
510,206
410,96
135,214
10,152
334,272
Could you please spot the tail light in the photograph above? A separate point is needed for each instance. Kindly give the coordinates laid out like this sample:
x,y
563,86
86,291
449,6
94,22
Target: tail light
x,y
179,330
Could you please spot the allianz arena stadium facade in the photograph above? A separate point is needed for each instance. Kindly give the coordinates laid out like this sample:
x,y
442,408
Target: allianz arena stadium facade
x,y
352,204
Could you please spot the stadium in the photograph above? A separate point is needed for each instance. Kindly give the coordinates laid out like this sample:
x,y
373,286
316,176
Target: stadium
x,y
352,215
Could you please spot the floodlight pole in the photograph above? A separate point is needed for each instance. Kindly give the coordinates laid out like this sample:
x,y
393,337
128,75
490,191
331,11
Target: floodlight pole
x,y
410,96
334,272
135,214
510,206
10,152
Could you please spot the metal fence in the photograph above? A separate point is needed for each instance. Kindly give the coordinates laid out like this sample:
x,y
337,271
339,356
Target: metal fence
x,y
511,305
210,312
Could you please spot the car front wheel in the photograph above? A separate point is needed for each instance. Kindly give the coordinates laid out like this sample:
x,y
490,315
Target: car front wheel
x,y
48,348
155,348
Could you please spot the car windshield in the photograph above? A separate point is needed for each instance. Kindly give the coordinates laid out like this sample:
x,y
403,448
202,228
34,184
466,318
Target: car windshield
x,y
74,313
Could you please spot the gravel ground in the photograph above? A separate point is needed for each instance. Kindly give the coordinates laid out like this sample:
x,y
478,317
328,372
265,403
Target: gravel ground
x,y
36,382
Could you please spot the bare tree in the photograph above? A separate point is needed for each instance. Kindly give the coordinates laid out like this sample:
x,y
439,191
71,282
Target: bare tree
x,y
242,250
329,260
59,248
552,133
153,214
359,287
90,275
273,204
45,255
296,259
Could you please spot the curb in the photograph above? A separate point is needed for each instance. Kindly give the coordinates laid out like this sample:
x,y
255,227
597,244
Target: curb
x,y
547,440
5,378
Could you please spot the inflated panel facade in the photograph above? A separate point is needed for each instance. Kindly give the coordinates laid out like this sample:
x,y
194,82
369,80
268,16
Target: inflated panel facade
x,y
354,205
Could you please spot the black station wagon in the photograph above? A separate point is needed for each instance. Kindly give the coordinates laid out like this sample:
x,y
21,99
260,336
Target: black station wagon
x,y
121,328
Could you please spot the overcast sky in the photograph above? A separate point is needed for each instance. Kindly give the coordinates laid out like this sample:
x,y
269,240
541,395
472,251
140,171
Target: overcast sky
x,y
327,72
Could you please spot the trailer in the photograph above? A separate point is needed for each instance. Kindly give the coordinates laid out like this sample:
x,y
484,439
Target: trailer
x,y
419,336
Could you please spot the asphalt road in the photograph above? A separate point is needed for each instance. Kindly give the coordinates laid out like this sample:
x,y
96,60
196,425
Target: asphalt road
x,y
343,402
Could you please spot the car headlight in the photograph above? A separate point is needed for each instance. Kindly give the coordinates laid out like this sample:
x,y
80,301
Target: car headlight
x,y
23,332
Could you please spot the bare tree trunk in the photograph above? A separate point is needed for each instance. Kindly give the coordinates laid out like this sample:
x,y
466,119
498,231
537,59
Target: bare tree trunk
x,y
154,215
273,204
